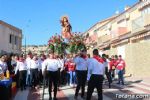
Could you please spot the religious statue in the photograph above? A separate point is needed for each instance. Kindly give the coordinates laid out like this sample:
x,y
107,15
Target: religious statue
x,y
66,27
69,42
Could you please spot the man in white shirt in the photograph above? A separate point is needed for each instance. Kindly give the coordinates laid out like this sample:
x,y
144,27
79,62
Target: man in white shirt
x,y
81,73
22,67
61,67
96,70
106,61
34,67
50,66
28,62
41,60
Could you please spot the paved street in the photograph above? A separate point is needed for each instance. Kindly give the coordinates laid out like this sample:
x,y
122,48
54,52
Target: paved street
x,y
67,93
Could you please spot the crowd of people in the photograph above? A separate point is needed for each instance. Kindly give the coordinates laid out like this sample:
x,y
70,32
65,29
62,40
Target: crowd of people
x,y
58,70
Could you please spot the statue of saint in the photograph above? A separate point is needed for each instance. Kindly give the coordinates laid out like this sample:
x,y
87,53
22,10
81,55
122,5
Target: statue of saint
x,y
66,27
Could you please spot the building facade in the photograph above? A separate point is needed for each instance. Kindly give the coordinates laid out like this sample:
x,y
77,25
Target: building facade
x,y
127,34
10,38
35,49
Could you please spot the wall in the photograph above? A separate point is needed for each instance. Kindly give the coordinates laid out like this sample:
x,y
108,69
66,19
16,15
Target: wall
x,y
4,40
138,58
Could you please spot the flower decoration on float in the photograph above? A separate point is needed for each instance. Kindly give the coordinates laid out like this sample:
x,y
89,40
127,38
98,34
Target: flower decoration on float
x,y
74,44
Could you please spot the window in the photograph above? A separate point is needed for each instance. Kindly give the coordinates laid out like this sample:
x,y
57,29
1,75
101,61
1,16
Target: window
x,y
137,23
10,38
146,11
16,40
123,23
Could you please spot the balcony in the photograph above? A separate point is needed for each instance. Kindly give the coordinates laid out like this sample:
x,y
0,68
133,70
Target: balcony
x,y
100,40
147,20
105,38
118,32
137,25
93,38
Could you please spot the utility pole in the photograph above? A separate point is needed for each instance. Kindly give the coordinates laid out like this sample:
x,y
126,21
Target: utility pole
x,y
25,46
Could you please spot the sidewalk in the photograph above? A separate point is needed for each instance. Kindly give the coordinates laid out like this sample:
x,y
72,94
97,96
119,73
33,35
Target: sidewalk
x,y
137,79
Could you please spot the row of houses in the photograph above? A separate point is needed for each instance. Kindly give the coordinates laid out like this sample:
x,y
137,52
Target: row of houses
x,y
10,38
37,49
126,34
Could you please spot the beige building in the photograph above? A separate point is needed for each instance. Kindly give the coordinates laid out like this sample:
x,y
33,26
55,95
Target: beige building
x,y
126,34
34,49
10,38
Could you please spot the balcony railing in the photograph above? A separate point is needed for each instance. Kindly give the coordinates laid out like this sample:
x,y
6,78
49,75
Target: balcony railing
x,y
93,38
137,25
118,32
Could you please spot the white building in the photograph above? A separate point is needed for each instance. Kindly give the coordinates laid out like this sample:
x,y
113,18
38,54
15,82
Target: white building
x,y
10,38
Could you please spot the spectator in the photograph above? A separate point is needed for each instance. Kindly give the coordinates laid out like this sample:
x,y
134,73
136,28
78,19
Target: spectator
x,y
71,72
3,63
121,68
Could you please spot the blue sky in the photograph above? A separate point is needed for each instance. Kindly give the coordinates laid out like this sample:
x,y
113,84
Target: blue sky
x,y
39,19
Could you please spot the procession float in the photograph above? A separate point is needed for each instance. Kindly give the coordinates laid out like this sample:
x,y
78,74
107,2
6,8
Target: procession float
x,y
65,44
68,42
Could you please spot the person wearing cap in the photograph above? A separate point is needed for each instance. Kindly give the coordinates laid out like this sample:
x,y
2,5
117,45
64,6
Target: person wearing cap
x,y
51,66
96,70
81,72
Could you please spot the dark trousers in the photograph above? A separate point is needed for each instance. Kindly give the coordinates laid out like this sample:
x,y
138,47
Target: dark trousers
x,y
59,76
108,75
63,77
53,79
22,79
112,73
95,81
81,80
34,77
40,77
16,79
68,78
